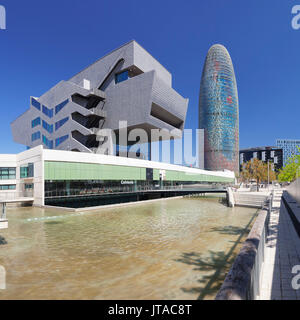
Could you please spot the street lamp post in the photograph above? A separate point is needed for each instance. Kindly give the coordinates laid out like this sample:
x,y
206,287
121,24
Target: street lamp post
x,y
268,175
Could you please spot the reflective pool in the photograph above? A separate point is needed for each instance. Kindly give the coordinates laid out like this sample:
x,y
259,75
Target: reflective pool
x,y
169,249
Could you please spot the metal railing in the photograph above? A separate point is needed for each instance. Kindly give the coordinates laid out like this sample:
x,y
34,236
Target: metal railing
x,y
118,189
256,272
3,211
103,191
243,281
260,255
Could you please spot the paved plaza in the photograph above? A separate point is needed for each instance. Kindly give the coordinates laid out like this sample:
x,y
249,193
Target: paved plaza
x,y
282,253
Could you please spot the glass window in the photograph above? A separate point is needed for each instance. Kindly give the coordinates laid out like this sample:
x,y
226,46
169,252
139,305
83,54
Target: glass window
x,y
35,104
48,143
61,140
48,127
35,122
7,173
8,187
60,106
120,77
60,123
23,172
36,136
27,171
48,112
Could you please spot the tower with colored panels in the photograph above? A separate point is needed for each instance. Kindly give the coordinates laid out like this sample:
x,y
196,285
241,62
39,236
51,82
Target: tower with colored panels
x,y
219,111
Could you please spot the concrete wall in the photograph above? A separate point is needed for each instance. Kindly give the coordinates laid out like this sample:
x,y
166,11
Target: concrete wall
x,y
294,190
34,156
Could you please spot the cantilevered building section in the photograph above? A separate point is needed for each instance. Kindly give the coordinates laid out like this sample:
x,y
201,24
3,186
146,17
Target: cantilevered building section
x,y
219,111
128,84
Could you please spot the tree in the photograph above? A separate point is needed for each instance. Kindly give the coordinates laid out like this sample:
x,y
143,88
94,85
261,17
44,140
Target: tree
x,y
291,170
257,170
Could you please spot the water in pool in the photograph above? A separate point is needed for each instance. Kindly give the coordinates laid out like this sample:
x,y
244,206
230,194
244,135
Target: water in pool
x,y
169,249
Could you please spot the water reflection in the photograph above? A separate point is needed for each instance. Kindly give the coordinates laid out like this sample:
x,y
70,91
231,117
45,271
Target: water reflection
x,y
170,249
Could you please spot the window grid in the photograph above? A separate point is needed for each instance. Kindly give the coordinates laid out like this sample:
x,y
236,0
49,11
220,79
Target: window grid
x,y
35,122
8,187
48,127
35,104
61,140
120,77
35,136
60,106
47,143
7,173
48,112
60,123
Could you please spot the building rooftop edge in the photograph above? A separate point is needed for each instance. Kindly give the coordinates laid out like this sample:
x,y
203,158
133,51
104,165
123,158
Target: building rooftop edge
x,y
259,148
48,155
107,54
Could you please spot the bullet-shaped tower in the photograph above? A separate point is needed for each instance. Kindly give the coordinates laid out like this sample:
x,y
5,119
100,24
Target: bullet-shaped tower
x,y
219,111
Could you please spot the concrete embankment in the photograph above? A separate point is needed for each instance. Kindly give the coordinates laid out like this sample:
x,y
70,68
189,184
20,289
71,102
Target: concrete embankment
x,y
250,199
242,281
294,190
264,268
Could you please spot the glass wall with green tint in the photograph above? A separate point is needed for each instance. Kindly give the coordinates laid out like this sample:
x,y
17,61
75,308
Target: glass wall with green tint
x,y
184,176
88,171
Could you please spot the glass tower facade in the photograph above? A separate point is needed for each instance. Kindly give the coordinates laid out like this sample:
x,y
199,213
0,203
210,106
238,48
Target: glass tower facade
x,y
290,148
219,111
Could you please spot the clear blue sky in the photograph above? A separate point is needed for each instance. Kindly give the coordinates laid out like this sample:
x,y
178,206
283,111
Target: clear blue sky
x,y
49,41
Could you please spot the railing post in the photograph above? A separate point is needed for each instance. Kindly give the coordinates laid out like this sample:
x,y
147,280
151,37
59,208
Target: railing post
x,y
3,211
271,201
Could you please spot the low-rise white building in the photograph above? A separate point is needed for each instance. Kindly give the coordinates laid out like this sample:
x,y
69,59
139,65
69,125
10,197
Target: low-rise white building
x,y
51,174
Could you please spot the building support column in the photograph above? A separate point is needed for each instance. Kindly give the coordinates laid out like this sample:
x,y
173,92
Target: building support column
x,y
3,211
68,188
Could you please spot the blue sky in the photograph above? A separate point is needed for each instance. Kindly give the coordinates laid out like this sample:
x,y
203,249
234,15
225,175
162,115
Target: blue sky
x,y
49,41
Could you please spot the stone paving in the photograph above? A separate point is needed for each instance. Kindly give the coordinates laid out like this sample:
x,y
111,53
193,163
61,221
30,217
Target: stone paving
x,y
282,253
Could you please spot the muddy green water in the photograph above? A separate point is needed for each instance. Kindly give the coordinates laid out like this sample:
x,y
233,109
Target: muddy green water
x,y
169,249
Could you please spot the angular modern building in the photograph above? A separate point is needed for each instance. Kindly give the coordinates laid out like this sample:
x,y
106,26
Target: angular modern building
x,y
127,84
219,111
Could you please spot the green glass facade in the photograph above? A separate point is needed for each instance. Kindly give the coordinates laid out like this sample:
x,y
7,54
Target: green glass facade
x,y
63,171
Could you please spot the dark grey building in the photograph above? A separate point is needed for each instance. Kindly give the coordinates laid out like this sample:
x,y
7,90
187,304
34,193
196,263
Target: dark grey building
x,y
273,154
127,84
